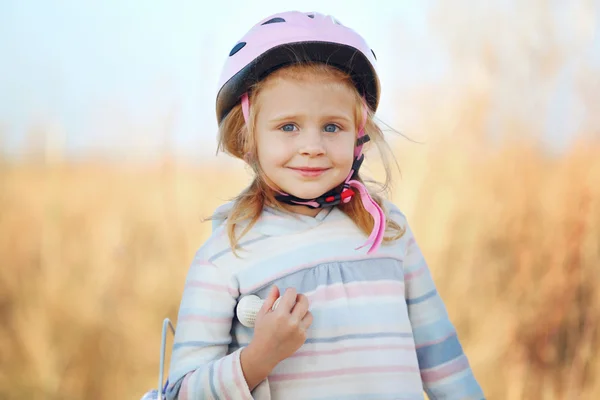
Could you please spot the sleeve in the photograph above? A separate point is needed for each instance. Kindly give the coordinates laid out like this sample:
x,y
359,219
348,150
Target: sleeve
x,y
200,366
445,369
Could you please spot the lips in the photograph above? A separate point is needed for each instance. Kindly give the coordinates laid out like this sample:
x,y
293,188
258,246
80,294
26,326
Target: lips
x,y
309,168
309,171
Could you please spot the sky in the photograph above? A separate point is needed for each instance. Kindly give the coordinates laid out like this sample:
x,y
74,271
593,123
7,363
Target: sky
x,y
125,76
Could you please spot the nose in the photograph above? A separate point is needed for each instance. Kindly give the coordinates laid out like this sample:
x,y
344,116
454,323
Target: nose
x,y
311,144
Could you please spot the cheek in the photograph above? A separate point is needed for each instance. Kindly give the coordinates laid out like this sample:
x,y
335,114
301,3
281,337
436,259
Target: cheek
x,y
342,153
271,153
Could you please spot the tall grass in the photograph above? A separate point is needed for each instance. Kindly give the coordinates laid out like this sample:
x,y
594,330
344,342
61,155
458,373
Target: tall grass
x,y
94,257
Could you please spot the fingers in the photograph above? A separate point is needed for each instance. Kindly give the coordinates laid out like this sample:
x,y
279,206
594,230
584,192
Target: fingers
x,y
288,301
291,303
307,320
300,309
270,300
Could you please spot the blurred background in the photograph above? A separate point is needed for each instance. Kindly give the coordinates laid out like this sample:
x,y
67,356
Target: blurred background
x,y
108,165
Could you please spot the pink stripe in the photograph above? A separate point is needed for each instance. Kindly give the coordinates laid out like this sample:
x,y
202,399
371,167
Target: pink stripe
x,y
339,291
442,372
220,232
211,286
415,274
204,318
341,371
310,353
361,330
419,345
204,263
236,373
296,268
221,383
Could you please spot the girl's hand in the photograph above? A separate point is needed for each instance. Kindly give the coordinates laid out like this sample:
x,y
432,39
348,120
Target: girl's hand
x,y
279,333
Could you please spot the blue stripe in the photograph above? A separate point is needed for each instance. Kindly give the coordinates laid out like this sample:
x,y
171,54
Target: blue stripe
x,y
211,380
333,339
331,273
200,344
358,336
439,353
199,311
421,299
376,313
433,331
375,396
173,390
221,253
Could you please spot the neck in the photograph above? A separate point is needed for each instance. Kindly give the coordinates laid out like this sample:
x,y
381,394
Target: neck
x,y
311,212
295,209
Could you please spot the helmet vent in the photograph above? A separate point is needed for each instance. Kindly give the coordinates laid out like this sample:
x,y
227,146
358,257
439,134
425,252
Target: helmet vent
x,y
273,21
237,48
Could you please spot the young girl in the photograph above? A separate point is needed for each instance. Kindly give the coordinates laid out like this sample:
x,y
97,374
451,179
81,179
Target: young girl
x,y
358,315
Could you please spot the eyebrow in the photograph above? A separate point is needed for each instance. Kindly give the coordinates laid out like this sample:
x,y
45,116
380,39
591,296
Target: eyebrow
x,y
283,117
287,117
338,117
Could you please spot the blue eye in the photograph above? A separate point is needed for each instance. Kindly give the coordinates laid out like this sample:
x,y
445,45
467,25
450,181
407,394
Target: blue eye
x,y
288,128
331,128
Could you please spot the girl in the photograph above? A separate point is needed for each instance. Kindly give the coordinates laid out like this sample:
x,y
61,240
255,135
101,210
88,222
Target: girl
x,y
358,315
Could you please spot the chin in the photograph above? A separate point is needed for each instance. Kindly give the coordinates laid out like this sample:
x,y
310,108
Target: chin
x,y
310,193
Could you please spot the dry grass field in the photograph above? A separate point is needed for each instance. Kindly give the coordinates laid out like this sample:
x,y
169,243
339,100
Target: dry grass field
x,y
94,257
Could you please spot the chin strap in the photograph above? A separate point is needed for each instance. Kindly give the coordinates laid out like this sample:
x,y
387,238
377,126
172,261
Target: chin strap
x,y
344,192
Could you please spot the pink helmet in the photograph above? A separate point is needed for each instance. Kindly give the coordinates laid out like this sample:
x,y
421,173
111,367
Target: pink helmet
x,y
293,37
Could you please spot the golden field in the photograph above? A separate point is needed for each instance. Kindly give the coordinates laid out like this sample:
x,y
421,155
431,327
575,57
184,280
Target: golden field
x,y
94,257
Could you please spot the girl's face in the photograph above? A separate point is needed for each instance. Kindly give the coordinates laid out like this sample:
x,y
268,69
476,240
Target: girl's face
x,y
305,134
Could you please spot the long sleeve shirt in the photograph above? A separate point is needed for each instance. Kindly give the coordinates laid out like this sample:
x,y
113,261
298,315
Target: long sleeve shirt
x,y
380,329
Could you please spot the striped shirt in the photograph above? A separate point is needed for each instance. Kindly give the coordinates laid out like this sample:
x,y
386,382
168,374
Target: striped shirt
x,y
380,330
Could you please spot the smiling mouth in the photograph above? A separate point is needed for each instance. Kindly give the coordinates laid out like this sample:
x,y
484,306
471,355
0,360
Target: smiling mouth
x,y
309,171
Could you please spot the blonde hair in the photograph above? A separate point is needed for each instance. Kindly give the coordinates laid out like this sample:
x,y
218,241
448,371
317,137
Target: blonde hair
x,y
237,139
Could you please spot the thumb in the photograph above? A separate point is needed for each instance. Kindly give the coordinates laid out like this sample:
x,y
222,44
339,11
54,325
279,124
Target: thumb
x,y
270,300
